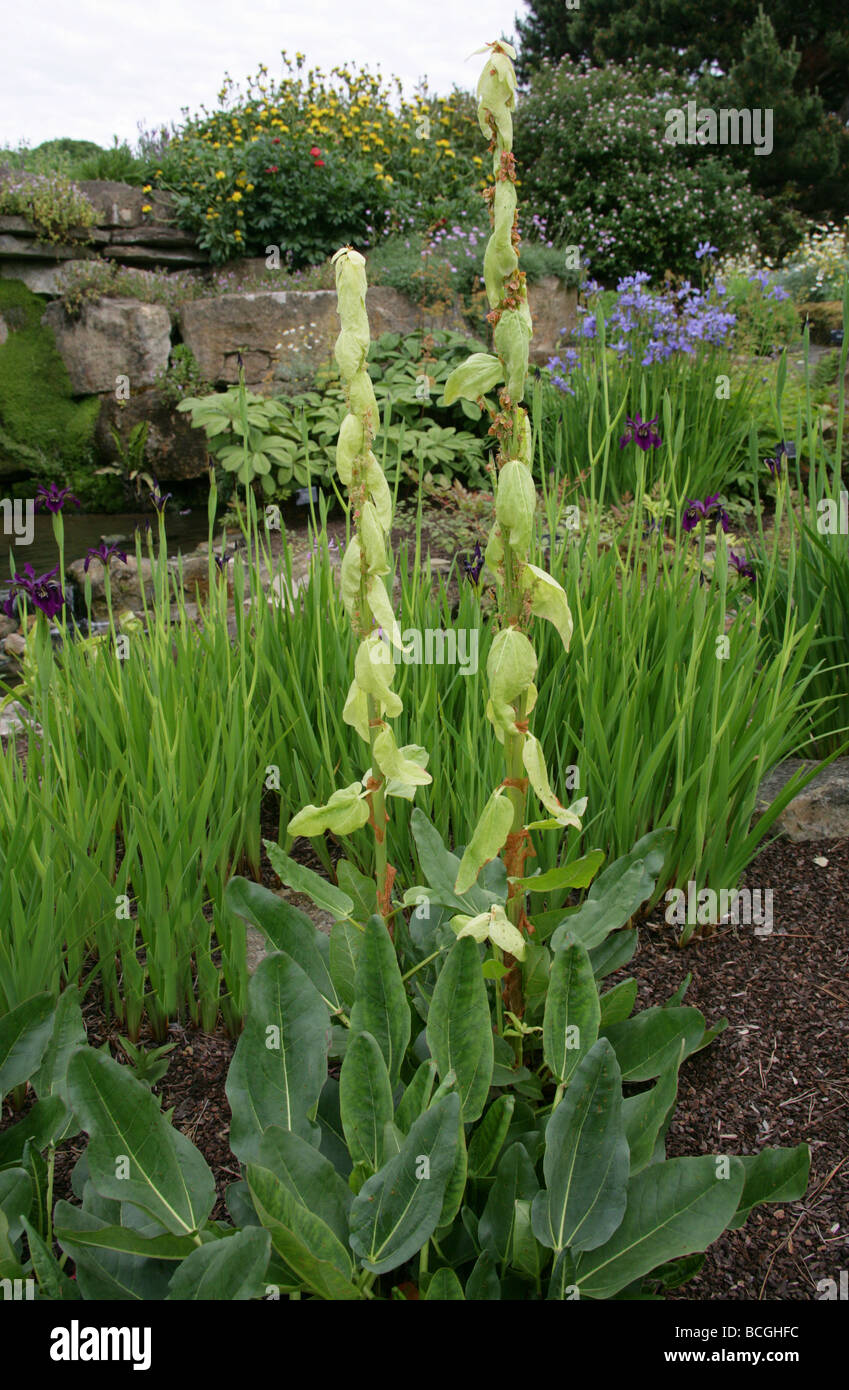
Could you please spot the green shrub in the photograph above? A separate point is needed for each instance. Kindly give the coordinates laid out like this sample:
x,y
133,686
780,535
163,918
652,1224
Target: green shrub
x,y
56,208
117,165
593,161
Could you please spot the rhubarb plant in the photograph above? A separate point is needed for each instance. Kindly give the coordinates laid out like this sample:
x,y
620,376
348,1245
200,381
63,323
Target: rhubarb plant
x,y
524,590
371,701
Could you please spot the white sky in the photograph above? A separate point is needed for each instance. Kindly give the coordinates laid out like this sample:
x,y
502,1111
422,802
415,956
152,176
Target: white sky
x,y
91,69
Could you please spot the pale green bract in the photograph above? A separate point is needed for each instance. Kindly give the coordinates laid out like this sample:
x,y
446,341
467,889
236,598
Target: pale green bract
x,y
494,926
370,700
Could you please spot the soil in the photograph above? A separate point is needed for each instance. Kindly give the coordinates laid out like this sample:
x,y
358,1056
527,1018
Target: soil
x,y
779,1074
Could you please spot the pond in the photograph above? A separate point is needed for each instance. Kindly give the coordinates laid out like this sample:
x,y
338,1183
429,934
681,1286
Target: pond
x,y
87,530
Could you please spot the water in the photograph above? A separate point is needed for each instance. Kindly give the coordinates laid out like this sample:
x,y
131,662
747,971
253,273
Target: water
x,y
85,531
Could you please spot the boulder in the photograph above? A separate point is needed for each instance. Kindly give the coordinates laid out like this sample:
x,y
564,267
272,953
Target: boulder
x,y
43,277
821,810
299,328
174,450
110,339
554,308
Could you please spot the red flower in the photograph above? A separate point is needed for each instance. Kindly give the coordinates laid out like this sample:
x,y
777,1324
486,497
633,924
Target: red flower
x,y
276,140
271,168
318,164
315,151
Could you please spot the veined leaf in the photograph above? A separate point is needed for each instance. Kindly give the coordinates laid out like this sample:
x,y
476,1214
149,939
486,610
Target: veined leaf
x,y
365,1096
134,1154
459,1029
380,1003
572,1011
280,1063
305,1243
398,1209
229,1270
586,1159
674,1208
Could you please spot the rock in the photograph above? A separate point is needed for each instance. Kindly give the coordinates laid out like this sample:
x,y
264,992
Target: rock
x,y
7,625
43,277
15,644
125,581
174,450
150,257
553,308
120,204
298,327
111,338
821,809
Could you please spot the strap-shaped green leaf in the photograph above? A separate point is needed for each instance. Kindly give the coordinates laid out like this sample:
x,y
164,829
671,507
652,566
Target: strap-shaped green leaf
x,y
398,1209
229,1270
572,1011
674,1208
309,1249
586,1159
280,1063
365,1098
134,1154
380,1005
459,1028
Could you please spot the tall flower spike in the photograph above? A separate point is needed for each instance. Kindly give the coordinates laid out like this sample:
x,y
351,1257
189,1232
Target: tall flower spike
x,y
394,771
524,590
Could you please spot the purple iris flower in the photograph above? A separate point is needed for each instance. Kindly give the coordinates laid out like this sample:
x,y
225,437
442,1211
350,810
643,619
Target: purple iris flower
x,y
641,433
103,553
784,449
741,565
39,589
474,566
223,559
157,499
52,498
704,248
696,512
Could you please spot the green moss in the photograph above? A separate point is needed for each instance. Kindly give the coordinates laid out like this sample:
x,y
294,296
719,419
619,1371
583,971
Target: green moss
x,y
42,428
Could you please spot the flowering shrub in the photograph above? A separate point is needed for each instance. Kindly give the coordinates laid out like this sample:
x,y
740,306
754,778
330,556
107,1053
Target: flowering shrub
x,y
594,162
314,159
815,270
55,206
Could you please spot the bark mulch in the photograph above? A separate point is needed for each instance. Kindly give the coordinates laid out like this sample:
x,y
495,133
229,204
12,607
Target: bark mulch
x,y
779,1074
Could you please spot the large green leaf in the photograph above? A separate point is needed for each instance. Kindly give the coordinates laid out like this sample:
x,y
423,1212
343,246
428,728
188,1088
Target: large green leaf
x,y
578,874
398,1209
365,1099
346,939
645,1114
229,1270
41,1125
124,1240
380,1006
488,1137
416,1097
306,1244
53,1282
134,1154
572,1011
445,1287
586,1159
24,1035
459,1028
280,1063
285,928
310,1177
773,1175
651,1042
15,1199
105,1274
617,893
514,1179
303,880
674,1208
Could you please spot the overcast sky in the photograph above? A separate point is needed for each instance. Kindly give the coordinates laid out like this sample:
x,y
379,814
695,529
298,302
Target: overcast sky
x,y
92,69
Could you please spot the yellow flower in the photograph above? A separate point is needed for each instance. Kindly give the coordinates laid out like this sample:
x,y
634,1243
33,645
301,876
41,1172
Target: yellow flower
x,y
378,168
147,188
146,207
477,159
220,174
236,197
216,144
237,234
250,188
